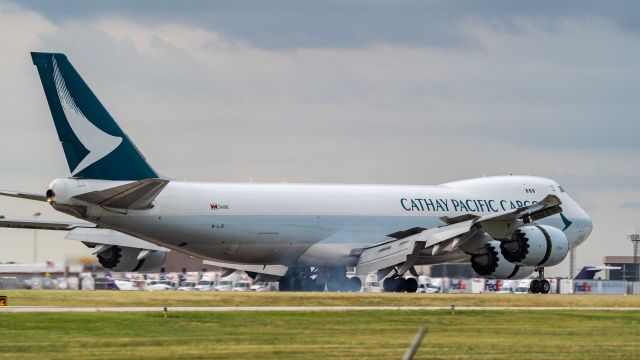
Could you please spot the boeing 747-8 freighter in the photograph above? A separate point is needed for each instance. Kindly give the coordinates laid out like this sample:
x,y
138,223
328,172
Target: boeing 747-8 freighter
x,y
303,235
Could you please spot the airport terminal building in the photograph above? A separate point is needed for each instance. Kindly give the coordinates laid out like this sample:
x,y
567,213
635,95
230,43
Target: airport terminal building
x,y
628,269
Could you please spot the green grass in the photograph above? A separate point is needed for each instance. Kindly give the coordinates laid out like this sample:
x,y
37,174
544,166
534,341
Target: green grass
x,y
321,335
178,298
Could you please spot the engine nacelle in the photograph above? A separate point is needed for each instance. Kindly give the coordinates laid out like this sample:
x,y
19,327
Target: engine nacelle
x,y
122,258
493,265
153,262
523,272
537,245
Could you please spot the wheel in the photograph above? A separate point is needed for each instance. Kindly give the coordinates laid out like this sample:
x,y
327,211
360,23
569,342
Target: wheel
x,y
401,284
355,284
334,284
297,284
545,287
285,283
307,284
412,285
534,287
388,285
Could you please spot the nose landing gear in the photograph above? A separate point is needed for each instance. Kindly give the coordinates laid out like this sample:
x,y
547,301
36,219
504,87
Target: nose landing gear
x,y
540,285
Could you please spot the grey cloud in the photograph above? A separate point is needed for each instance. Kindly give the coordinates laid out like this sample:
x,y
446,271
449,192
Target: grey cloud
x,y
293,24
631,205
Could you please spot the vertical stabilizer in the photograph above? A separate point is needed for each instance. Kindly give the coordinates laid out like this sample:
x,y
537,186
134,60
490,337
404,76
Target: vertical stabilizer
x,y
93,143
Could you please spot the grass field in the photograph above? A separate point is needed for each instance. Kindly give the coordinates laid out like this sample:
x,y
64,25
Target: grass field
x,y
321,335
176,298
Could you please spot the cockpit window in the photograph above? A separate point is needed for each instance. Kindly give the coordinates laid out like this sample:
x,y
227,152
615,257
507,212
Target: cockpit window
x,y
561,188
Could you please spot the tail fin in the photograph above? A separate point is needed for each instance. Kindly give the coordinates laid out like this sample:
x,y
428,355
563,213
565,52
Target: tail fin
x,y
94,145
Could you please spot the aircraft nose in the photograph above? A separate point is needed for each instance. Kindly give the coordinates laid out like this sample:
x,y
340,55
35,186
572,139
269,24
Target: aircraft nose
x,y
588,226
585,226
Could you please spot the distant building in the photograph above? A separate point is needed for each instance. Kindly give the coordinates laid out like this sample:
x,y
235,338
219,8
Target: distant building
x,y
628,270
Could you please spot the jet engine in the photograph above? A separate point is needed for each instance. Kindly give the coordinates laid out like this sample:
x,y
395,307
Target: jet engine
x,y
492,264
538,245
122,258
523,272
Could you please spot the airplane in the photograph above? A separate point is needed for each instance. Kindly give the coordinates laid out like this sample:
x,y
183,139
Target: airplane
x,y
589,272
305,236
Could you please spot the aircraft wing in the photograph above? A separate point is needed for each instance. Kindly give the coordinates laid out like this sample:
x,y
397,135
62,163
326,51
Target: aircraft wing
x,y
266,273
404,252
90,234
101,239
23,195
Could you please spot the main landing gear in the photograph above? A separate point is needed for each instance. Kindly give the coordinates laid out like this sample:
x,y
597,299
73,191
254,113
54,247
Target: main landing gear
x,y
305,279
338,280
301,279
397,283
540,285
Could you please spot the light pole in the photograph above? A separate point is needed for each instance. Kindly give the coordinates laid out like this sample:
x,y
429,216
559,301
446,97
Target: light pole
x,y
635,240
35,237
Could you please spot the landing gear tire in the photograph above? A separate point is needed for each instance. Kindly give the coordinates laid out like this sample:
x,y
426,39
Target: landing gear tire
x,y
388,285
534,287
412,285
298,284
355,284
545,287
540,285
395,284
286,283
307,284
401,284
335,284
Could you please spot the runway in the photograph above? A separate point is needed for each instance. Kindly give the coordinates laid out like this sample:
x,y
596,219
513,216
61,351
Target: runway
x,y
56,309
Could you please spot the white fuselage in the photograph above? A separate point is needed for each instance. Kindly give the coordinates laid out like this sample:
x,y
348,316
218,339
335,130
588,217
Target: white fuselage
x,y
317,225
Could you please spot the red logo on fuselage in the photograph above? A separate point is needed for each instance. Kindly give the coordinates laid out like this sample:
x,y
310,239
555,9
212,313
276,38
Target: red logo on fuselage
x,y
215,206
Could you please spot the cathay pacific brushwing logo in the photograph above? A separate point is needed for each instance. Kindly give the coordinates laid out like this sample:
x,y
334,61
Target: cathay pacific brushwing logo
x,y
565,221
99,143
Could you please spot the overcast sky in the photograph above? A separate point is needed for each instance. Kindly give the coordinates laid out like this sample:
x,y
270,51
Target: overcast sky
x,y
388,92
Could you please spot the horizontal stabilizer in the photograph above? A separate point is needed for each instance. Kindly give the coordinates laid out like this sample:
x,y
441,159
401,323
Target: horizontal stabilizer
x,y
23,195
42,225
137,195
